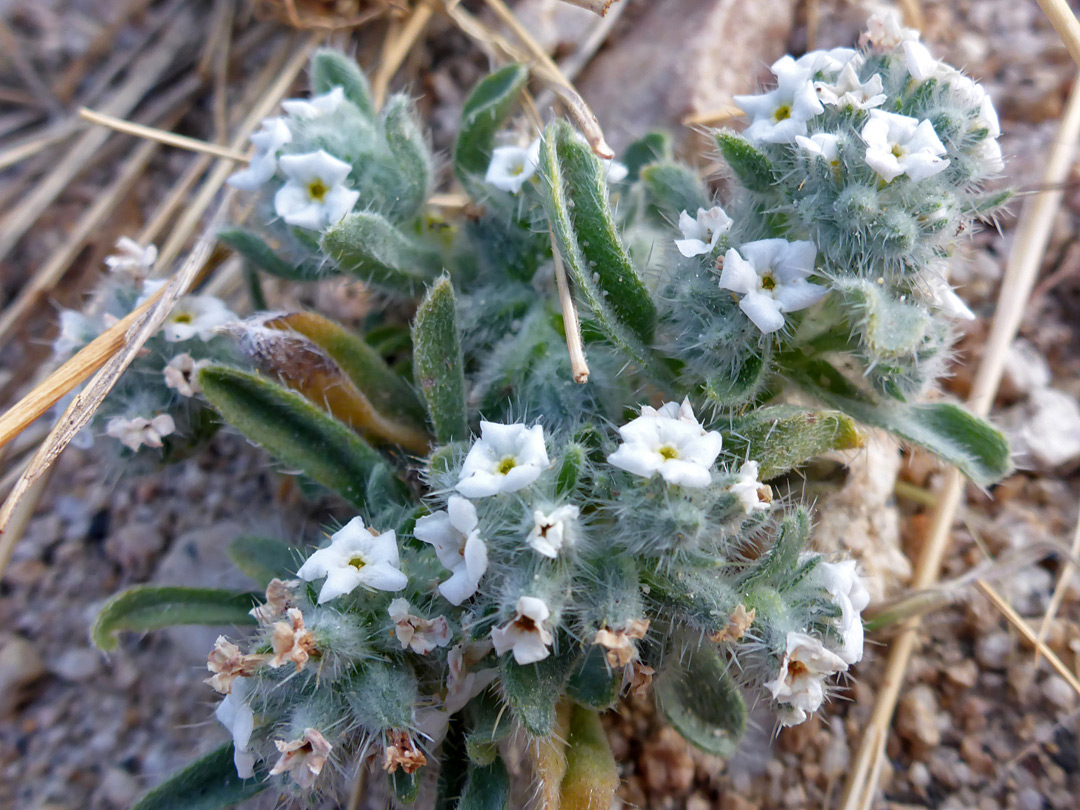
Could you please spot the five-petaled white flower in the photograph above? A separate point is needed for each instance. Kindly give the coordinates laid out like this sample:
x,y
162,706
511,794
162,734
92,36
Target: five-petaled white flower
x,y
772,277
826,63
182,374
753,495
899,144
800,684
701,233
315,194
844,585
458,545
552,530
670,441
316,106
505,458
196,316
132,258
235,714
527,634
356,556
134,433
848,91
512,166
822,145
422,635
272,136
781,114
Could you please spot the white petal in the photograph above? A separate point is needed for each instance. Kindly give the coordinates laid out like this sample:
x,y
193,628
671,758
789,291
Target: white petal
x,y
763,311
798,295
738,274
692,247
636,460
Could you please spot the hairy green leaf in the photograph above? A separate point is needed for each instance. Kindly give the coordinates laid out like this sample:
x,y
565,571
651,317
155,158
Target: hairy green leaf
x,y
263,558
673,188
487,787
151,607
532,690
783,437
366,245
748,162
330,69
411,156
701,701
487,106
259,254
209,783
647,149
437,362
592,776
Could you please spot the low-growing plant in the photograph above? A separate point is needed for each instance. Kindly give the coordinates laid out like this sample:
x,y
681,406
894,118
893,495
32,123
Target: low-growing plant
x,y
539,529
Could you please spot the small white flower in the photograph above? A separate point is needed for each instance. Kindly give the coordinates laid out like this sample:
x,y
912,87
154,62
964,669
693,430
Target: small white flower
x,y
844,585
750,492
235,714
781,114
970,92
315,195
196,316
134,433
771,275
526,634
505,458
132,259
824,62
800,684
942,295
422,635
356,556
512,166
670,441
848,91
822,145
885,32
614,172
918,60
988,155
701,233
182,374
316,106
551,531
899,144
272,136
458,545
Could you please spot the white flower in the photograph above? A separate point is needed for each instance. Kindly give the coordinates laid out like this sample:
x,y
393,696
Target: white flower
x,y
701,233
512,166
771,275
134,433
422,635
614,172
800,684
526,634
132,259
988,155
356,556
825,62
269,140
750,492
458,545
918,60
315,194
898,144
196,316
848,91
670,441
551,531
970,92
884,32
781,114
316,106
823,145
844,585
505,458
182,374
944,297
235,714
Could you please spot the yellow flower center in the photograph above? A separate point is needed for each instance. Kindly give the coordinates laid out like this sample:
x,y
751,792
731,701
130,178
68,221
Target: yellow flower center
x,y
317,190
357,562
768,282
783,112
897,151
182,317
668,452
506,465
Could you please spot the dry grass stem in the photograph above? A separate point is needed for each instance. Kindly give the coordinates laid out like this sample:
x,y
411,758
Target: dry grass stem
x,y
34,144
1065,23
398,49
162,136
712,118
1068,570
1025,258
578,366
595,6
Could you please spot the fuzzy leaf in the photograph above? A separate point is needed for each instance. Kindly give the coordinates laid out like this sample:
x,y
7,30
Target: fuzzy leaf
x,y
974,446
701,701
650,148
991,202
594,683
263,558
673,188
488,727
330,69
749,163
532,690
783,437
294,431
151,607
890,328
381,696
209,783
437,362
733,389
571,467
406,786
591,774
487,106
487,787
366,245
252,247
411,153
778,567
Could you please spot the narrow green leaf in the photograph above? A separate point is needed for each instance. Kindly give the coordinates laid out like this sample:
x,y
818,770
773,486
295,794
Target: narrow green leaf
x,y
252,247
366,245
974,446
594,683
701,701
571,466
293,430
779,567
209,783
650,148
991,202
406,786
532,690
486,788
591,774
748,162
783,437
490,724
488,105
263,558
437,362
330,69
412,157
151,607
733,389
673,188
